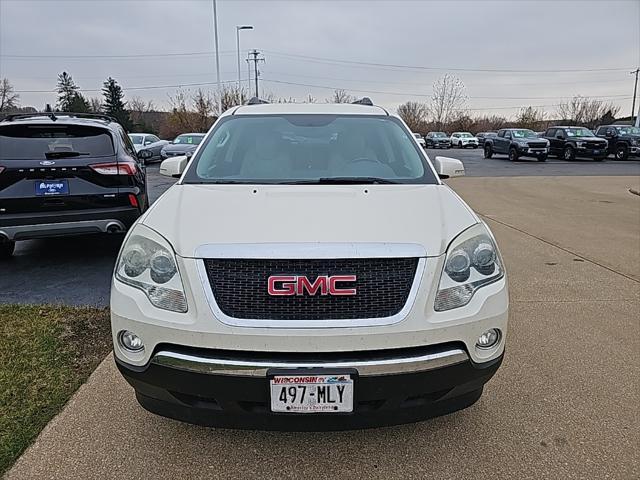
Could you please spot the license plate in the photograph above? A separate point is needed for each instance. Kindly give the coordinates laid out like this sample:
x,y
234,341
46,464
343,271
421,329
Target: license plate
x,y
52,187
596,151
312,393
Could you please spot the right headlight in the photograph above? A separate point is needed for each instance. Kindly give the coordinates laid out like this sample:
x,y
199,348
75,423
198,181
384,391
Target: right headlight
x,y
472,262
147,262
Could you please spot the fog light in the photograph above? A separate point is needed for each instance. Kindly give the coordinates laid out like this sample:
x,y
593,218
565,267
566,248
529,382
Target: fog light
x,y
130,341
488,339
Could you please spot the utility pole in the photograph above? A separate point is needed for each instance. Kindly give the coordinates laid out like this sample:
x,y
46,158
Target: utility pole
x,y
254,53
635,90
215,35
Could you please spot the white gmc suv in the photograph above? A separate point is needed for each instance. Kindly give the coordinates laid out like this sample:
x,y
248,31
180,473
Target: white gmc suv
x,y
309,271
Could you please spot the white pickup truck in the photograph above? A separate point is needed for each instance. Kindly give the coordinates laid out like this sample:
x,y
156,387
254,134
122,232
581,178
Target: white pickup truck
x,y
309,271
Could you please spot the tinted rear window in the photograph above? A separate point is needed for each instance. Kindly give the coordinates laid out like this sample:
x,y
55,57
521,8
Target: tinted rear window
x,y
22,142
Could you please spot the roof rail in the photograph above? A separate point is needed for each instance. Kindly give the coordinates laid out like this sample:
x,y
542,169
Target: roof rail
x,y
54,116
363,101
256,101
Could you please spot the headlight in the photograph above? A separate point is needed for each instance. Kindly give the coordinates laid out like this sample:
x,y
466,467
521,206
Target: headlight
x,y
147,262
472,262
633,142
580,144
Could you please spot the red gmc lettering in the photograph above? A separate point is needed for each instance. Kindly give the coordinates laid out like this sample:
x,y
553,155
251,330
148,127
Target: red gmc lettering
x,y
288,285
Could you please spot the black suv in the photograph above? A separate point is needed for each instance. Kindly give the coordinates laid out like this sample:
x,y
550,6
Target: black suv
x,y
623,140
65,174
516,143
573,142
437,140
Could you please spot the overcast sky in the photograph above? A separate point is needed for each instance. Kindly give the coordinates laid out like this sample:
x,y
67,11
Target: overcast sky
x,y
316,43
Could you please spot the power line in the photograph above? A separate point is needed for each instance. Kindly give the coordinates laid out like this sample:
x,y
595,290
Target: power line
x,y
146,87
412,94
455,69
321,59
135,55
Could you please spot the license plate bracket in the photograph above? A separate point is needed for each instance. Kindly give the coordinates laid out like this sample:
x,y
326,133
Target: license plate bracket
x,y
312,391
52,187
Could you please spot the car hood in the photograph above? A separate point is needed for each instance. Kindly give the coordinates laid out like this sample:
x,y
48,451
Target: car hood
x,y
179,147
190,216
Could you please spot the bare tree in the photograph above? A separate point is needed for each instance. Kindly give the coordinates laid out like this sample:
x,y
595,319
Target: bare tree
x,y
341,96
180,118
530,117
230,96
585,111
448,99
310,99
204,106
9,100
95,104
414,115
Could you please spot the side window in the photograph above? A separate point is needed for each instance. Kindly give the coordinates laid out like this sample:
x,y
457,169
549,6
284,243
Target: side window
x,y
126,143
560,133
550,133
154,139
507,134
501,133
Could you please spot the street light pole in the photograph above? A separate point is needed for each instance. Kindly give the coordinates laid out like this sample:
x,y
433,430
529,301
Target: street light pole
x,y
238,28
215,34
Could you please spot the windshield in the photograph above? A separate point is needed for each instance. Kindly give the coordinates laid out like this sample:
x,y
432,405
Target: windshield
x,y
309,149
579,132
628,130
188,139
417,135
465,135
439,134
35,142
524,133
136,139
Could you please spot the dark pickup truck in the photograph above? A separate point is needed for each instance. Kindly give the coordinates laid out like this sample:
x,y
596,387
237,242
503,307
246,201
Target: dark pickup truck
x,y
570,143
623,140
516,143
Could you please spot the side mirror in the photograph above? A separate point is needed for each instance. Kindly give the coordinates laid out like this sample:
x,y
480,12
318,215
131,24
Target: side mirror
x,y
608,134
448,167
174,166
145,154
559,136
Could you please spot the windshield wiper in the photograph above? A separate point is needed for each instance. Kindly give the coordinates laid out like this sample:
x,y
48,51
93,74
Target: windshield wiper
x,y
341,180
64,154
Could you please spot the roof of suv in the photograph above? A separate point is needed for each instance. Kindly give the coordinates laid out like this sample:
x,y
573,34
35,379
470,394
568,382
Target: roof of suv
x,y
306,108
58,118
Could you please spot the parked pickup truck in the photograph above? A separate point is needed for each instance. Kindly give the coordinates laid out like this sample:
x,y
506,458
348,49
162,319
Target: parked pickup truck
x,y
516,143
310,270
570,143
623,140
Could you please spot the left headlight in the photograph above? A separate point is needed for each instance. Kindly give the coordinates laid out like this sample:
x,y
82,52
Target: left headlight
x,y
148,263
472,262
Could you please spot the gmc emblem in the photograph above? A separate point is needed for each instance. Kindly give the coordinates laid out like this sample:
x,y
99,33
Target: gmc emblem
x,y
288,285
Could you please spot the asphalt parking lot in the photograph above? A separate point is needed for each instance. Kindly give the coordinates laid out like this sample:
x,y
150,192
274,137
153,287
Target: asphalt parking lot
x,y
39,271
563,405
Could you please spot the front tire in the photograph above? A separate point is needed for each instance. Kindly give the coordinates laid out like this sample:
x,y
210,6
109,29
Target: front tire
x,y
513,155
459,144
622,152
569,153
488,153
6,248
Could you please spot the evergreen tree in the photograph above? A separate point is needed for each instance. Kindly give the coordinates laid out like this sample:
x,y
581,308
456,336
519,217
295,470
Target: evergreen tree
x,y
79,104
67,92
114,104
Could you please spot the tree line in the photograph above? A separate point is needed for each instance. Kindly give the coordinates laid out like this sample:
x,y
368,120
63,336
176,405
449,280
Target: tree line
x,y
447,111
195,111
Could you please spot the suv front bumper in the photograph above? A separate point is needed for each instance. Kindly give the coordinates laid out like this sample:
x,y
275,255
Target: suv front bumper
x,y
231,389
